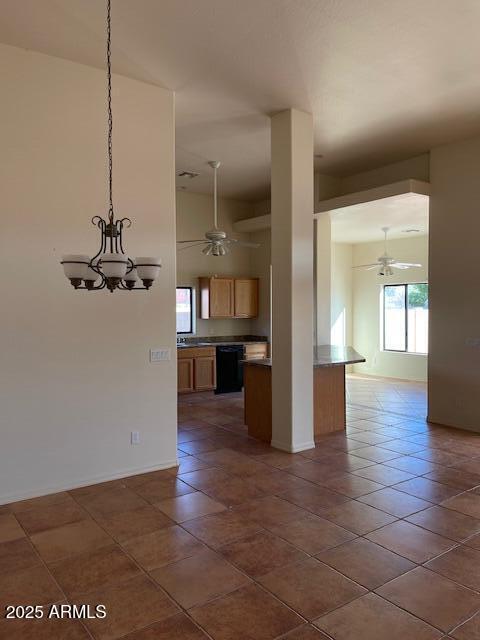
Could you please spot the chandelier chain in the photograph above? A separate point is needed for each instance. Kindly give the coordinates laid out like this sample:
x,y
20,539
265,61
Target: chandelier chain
x,y
110,268
110,116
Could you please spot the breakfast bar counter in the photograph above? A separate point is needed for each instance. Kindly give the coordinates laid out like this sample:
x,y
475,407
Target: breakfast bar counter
x,y
329,363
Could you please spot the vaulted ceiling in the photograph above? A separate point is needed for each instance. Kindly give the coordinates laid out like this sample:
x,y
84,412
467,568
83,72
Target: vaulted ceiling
x,y
385,80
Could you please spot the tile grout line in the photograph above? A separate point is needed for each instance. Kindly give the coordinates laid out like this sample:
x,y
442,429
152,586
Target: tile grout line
x,y
146,574
285,470
46,567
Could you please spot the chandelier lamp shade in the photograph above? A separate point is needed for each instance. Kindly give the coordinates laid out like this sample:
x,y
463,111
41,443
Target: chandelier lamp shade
x,y
110,268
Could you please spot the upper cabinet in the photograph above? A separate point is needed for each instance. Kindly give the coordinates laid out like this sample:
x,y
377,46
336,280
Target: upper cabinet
x,y
245,298
223,297
217,297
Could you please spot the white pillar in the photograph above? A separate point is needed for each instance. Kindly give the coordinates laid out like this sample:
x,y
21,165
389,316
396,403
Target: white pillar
x,y
292,287
323,269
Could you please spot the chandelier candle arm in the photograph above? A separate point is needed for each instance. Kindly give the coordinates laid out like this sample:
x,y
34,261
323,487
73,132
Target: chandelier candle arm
x,y
110,267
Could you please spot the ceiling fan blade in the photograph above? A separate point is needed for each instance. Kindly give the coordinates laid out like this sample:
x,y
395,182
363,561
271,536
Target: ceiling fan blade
x,y
368,267
195,244
243,243
405,265
197,240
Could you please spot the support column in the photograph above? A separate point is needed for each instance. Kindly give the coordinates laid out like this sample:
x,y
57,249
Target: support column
x,y
292,285
323,275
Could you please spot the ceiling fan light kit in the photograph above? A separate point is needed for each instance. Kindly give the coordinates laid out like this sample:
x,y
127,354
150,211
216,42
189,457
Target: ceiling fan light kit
x,y
110,267
385,271
217,242
385,263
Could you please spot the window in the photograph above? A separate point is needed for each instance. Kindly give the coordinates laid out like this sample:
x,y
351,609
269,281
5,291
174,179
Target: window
x,y
405,317
185,310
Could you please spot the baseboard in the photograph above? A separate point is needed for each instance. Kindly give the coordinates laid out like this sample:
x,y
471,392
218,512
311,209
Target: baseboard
x,y
304,446
87,481
436,423
373,376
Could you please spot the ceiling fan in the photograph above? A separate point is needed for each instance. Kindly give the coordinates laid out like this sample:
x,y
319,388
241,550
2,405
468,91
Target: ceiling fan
x,y
385,263
216,241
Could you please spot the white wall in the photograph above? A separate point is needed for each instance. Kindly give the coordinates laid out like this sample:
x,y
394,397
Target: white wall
x,y
412,168
454,363
325,187
367,309
194,217
342,294
260,267
75,375
323,279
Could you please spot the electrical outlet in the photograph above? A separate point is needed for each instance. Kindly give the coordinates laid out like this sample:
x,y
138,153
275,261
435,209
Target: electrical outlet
x,y
135,437
159,355
473,342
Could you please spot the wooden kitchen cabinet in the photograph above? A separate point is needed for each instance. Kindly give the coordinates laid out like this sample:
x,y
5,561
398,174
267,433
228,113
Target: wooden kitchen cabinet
x,y
185,375
196,369
224,297
256,350
204,373
216,298
246,298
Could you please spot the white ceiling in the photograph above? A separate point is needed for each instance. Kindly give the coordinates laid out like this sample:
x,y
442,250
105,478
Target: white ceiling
x,y
364,222
385,80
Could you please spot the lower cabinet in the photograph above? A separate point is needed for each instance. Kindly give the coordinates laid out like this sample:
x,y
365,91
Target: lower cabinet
x,y
204,373
185,378
196,369
256,350
197,366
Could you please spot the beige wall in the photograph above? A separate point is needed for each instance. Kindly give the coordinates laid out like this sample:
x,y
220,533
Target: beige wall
x,y
194,217
412,168
325,187
454,363
366,308
75,372
323,279
261,261
342,294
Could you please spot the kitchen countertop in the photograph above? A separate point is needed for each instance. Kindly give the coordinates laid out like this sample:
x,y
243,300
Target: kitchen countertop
x,y
223,341
325,355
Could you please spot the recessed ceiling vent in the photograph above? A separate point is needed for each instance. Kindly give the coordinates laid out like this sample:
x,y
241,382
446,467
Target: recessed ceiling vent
x,y
182,173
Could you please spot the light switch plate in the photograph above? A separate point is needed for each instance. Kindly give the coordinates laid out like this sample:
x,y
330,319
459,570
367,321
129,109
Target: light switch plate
x,y
160,355
135,437
473,342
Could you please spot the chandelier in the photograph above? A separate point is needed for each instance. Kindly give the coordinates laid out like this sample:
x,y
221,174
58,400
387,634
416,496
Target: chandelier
x,y
110,267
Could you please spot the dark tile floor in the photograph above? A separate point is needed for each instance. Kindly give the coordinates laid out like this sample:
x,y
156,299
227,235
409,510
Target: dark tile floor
x,y
373,535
